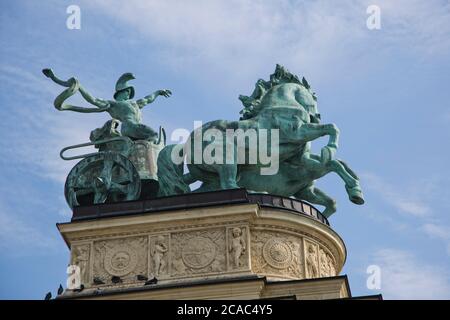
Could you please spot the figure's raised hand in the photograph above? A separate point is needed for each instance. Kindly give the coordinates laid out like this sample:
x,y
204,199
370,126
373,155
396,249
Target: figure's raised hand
x,y
165,93
48,73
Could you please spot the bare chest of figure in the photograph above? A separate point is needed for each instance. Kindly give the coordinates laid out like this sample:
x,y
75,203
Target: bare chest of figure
x,y
125,111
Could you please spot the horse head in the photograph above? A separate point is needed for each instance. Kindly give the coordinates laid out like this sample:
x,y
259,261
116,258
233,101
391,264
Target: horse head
x,y
282,89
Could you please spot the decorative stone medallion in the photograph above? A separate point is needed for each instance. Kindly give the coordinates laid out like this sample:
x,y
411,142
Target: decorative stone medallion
x,y
198,252
120,260
277,253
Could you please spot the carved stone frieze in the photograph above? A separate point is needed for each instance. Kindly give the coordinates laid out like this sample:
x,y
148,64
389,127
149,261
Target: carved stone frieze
x,y
203,245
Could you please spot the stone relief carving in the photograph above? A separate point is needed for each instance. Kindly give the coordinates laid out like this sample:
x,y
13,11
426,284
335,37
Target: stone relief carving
x,y
80,257
237,247
312,262
327,265
217,250
125,258
331,266
277,253
198,252
159,247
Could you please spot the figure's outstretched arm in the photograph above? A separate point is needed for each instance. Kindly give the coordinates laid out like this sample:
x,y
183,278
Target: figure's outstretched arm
x,y
151,97
74,86
101,103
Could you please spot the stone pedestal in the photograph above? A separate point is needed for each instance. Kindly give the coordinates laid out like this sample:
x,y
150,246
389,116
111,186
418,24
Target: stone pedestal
x,y
217,245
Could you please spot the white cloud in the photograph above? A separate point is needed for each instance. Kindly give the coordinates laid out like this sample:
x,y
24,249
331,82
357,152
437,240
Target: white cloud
x,y
436,231
17,236
403,276
227,40
440,232
386,220
406,201
34,131
43,130
237,36
398,197
411,206
422,25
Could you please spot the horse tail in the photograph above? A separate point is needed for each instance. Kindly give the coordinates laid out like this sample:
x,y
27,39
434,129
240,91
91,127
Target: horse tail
x,y
170,175
350,171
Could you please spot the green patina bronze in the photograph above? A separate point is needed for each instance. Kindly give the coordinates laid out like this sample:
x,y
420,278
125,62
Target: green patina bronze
x,y
135,163
287,104
121,108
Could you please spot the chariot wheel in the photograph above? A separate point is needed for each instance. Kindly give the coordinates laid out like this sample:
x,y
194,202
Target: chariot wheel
x,y
100,178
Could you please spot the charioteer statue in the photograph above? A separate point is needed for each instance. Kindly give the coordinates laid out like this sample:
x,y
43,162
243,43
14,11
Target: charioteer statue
x,y
126,159
121,108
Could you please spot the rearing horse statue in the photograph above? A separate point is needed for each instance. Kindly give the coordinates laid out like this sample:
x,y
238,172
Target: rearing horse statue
x,y
287,105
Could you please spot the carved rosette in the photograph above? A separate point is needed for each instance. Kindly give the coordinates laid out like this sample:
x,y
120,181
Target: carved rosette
x,y
124,258
198,252
277,254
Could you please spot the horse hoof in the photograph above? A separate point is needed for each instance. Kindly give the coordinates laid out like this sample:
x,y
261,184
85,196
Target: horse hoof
x,y
357,200
355,195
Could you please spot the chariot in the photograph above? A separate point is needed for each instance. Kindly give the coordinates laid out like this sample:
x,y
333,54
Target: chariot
x,y
121,170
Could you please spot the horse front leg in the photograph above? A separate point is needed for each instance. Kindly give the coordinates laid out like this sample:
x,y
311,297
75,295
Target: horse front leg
x,y
350,178
312,131
318,169
317,196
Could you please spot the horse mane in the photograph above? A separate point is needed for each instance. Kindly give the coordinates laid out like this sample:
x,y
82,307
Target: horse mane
x,y
252,103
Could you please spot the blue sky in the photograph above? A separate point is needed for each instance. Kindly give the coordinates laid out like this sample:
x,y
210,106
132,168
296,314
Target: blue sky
x,y
387,90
